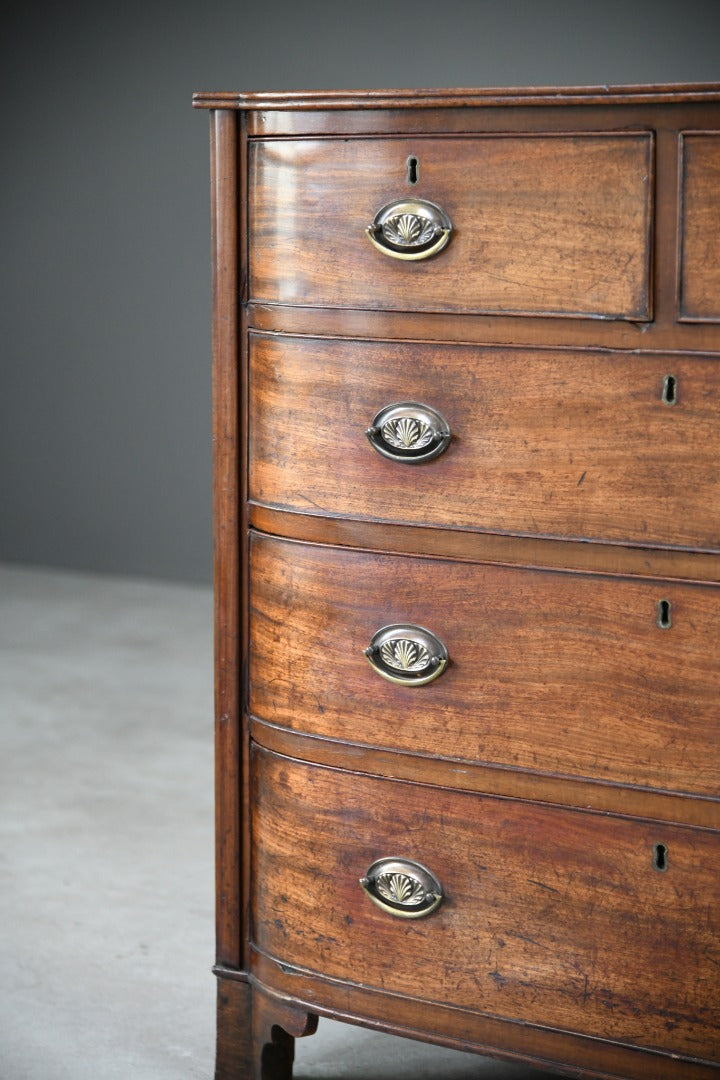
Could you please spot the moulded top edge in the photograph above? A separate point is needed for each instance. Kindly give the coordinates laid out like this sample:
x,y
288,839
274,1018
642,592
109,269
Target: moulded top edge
x,y
420,99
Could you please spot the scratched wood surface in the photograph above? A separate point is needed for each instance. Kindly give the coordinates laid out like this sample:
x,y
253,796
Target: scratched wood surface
x,y
549,671
549,913
559,97
583,267
663,333
490,547
463,1029
256,1032
543,224
547,442
700,227
226,561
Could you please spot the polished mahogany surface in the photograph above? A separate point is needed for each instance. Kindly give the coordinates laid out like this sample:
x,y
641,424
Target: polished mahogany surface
x,y
544,442
501,932
536,219
533,680
700,271
555,770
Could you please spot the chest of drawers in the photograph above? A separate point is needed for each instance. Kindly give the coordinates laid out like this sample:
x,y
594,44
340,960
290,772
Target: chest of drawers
x,y
467,520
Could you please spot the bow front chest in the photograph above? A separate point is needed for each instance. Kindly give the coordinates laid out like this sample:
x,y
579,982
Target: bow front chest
x,y
467,520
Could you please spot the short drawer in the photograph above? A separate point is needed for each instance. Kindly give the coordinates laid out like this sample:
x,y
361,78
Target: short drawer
x,y
563,443
700,227
555,224
600,925
548,671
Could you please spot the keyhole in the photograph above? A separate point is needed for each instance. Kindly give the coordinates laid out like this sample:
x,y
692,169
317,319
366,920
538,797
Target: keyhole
x,y
664,618
413,167
660,857
669,391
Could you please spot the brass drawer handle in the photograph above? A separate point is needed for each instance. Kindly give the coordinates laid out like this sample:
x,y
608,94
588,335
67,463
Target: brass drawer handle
x,y
410,229
403,888
409,431
407,654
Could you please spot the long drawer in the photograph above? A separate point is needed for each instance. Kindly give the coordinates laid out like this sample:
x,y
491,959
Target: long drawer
x,y
555,224
584,922
560,673
563,443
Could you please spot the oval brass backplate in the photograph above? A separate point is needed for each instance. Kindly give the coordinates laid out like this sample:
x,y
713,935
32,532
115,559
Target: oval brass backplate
x,y
407,654
410,229
409,432
402,887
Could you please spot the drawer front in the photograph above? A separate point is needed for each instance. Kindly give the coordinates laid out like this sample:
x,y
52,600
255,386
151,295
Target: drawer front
x,y
548,671
545,224
550,916
590,445
700,227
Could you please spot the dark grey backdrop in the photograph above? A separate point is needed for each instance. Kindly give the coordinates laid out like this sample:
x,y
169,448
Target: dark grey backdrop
x,y
105,391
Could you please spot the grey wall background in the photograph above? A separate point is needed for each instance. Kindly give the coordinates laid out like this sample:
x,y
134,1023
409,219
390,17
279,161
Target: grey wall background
x,y
105,451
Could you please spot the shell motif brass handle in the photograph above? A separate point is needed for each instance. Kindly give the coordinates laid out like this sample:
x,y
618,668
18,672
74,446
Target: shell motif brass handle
x,y
407,654
403,888
409,431
410,229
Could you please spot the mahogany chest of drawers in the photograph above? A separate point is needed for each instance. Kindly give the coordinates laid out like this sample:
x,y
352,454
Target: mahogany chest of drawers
x,y
467,514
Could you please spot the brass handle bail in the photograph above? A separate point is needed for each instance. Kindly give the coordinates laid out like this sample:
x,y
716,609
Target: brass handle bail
x,y
402,887
410,229
406,654
409,431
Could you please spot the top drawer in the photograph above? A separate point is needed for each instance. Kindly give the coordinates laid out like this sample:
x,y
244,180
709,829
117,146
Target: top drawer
x,y
542,224
700,227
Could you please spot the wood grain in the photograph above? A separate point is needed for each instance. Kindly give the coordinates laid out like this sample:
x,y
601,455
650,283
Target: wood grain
x,y
545,442
560,1051
464,545
549,913
241,418
549,672
523,118
465,97
663,333
224,181
488,779
256,1032
570,734
700,227
543,224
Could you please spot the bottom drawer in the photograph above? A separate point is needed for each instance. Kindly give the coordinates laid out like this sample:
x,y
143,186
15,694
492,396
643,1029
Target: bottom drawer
x,y
600,925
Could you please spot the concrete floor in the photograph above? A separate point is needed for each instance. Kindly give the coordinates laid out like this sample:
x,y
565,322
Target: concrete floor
x,y
106,850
